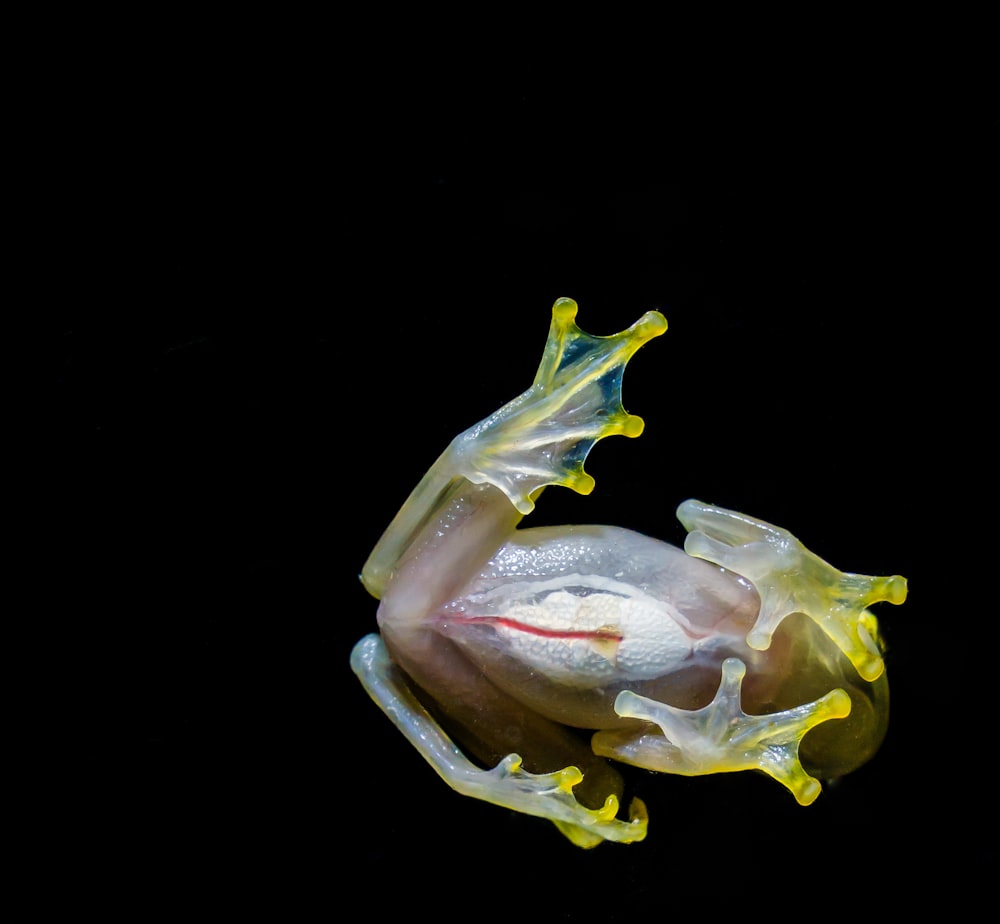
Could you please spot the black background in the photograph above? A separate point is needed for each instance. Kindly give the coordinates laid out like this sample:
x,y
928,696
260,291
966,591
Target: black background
x,y
293,282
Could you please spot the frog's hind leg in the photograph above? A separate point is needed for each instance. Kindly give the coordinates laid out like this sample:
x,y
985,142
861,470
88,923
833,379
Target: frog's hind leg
x,y
542,437
508,784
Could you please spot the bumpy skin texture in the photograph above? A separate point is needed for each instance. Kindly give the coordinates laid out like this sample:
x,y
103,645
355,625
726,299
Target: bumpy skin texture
x,y
745,651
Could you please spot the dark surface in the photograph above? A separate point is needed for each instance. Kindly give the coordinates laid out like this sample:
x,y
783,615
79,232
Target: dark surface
x,y
294,294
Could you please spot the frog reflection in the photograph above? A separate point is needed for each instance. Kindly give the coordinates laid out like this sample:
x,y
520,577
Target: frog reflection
x,y
743,651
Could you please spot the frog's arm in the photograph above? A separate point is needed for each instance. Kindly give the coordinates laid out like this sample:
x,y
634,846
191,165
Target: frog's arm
x,y
791,579
721,737
542,437
546,795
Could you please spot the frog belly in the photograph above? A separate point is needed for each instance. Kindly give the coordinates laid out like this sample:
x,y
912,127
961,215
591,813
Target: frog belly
x,y
600,631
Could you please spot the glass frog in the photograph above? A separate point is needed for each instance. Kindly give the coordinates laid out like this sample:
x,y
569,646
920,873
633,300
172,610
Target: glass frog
x,y
502,650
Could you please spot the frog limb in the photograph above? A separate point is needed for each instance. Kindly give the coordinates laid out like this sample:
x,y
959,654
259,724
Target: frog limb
x,y
543,436
540,438
545,795
791,579
721,737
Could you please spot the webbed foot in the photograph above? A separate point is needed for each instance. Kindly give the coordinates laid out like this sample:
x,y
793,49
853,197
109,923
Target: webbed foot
x,y
791,579
721,737
508,784
543,436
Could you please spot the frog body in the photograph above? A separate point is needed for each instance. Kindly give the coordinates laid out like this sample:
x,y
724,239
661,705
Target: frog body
x,y
568,616
716,658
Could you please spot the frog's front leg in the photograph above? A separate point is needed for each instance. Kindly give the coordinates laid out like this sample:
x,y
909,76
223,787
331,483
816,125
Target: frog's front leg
x,y
546,795
791,579
721,737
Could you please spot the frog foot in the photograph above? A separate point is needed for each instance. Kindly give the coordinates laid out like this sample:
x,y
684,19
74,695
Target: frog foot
x,y
543,436
550,795
721,737
508,784
791,579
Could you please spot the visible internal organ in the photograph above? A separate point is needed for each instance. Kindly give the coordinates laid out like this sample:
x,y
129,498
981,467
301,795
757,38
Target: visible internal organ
x,y
721,657
583,631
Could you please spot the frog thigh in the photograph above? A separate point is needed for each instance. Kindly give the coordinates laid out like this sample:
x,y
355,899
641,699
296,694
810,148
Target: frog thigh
x,y
508,784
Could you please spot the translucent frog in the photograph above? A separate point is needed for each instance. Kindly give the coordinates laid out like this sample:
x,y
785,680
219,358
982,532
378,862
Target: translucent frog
x,y
524,662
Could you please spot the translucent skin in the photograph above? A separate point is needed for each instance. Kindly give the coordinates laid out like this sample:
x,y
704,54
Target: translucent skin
x,y
718,658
